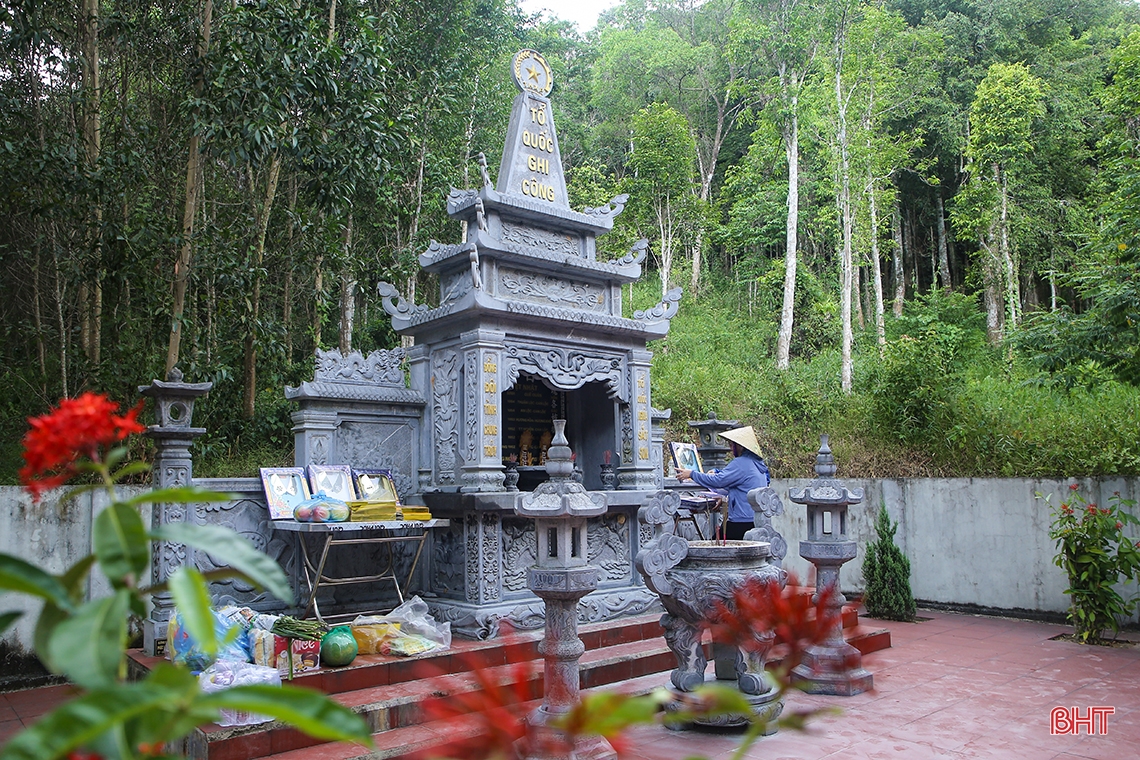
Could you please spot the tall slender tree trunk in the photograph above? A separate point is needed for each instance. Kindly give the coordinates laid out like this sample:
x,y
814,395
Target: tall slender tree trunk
x,y
876,265
61,323
92,304
943,249
189,210
787,312
287,295
898,259
846,264
347,293
1012,279
250,364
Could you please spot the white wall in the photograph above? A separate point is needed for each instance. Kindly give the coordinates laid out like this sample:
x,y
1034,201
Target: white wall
x,y
971,541
53,535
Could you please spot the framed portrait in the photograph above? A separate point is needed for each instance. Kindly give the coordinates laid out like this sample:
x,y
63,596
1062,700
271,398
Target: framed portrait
x,y
375,485
334,480
285,488
685,456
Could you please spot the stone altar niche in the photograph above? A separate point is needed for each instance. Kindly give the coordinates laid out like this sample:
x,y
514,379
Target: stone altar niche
x,y
524,300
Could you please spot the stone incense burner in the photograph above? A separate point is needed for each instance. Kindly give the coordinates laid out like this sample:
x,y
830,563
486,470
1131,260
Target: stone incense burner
x,y
691,578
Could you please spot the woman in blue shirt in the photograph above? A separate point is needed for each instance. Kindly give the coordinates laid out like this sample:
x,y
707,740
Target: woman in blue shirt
x,y
746,471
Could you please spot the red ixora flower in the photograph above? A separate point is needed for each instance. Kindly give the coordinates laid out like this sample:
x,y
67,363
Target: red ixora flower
x,y
495,709
760,606
1092,509
1073,486
1066,509
80,427
1119,525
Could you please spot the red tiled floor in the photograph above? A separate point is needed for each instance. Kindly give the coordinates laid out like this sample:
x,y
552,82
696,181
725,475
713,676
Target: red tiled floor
x,y
955,686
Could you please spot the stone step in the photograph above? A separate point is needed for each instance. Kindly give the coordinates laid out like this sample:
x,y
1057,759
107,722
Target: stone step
x,y
445,738
388,691
398,705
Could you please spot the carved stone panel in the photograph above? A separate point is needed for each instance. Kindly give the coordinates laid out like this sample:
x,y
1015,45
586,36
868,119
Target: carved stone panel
x,y
608,546
448,561
380,444
537,288
536,237
445,377
566,369
249,518
520,552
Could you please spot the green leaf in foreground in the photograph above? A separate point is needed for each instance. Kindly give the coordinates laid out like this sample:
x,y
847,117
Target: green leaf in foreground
x,y
192,599
24,577
121,543
88,646
83,720
180,495
230,550
310,711
6,620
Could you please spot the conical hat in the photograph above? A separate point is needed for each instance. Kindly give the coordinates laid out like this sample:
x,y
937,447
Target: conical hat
x,y
746,437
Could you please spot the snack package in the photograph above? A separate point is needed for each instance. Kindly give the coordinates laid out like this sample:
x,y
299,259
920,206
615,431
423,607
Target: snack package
x,y
273,651
225,674
373,633
409,629
231,635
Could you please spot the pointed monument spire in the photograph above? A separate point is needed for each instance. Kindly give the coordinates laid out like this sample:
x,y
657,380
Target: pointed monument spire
x,y
531,165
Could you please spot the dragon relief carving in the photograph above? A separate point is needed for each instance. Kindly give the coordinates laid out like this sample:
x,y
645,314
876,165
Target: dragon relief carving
x,y
546,240
608,546
636,255
539,288
447,561
566,369
609,210
520,551
453,286
663,311
394,303
379,367
471,386
445,412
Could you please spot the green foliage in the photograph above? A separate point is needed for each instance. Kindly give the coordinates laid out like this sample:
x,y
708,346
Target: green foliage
x,y
886,573
1096,556
922,372
86,641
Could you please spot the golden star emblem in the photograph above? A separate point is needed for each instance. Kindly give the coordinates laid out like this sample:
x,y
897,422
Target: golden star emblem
x,y
532,73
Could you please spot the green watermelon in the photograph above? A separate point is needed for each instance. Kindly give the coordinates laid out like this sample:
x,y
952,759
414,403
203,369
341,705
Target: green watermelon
x,y
338,647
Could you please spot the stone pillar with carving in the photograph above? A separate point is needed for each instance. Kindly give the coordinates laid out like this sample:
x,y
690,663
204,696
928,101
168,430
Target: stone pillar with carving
x,y
833,666
482,453
419,379
314,436
560,577
657,444
637,472
173,466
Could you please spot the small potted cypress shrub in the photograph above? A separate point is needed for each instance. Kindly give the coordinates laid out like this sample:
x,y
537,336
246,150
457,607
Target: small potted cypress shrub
x,y
886,571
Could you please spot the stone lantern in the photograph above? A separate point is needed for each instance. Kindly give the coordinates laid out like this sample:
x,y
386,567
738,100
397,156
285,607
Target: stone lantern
x,y
173,467
833,666
561,577
712,449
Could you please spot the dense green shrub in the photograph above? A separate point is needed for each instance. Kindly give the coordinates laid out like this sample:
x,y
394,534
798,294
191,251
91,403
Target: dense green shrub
x,y
1096,555
886,572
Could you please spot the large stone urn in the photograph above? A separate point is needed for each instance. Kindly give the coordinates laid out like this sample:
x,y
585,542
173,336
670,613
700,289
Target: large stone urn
x,y
693,579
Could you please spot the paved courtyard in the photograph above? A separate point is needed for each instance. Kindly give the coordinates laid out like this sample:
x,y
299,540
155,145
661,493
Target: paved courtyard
x,y
952,686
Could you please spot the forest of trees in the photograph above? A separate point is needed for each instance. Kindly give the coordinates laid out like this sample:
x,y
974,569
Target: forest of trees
x,y
898,192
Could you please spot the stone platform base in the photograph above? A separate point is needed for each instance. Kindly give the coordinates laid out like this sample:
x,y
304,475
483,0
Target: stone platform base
x,y
835,670
765,707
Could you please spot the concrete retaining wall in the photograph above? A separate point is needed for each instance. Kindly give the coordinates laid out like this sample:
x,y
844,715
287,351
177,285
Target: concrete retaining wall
x,y
971,541
982,542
